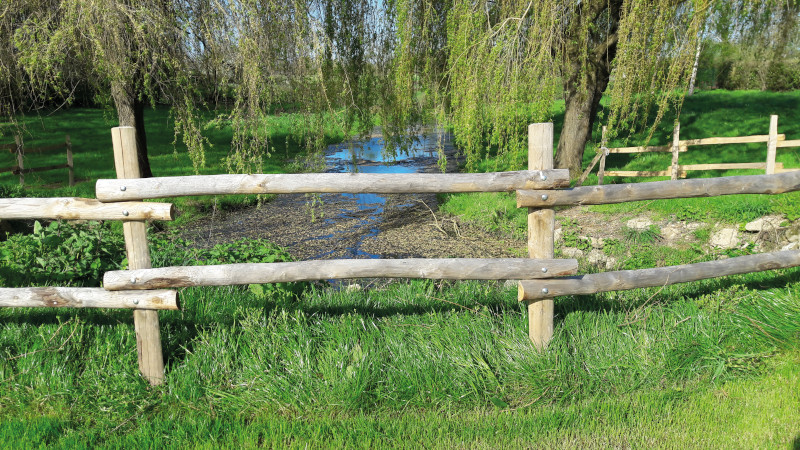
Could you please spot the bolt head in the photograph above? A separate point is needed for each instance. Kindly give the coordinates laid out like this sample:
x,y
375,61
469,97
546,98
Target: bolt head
x,y
122,188
125,213
544,269
136,301
133,279
544,177
545,197
545,291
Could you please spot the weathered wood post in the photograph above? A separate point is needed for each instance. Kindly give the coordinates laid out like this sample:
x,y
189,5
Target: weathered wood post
x,y
676,148
601,172
20,163
541,225
70,164
772,144
148,339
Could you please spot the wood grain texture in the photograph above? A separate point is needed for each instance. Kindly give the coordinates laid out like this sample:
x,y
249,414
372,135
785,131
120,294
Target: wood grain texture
x,y
71,208
258,273
676,149
541,228
355,183
63,297
145,322
700,187
662,276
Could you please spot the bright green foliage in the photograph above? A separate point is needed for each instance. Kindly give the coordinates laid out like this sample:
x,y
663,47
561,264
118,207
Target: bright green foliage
x,y
60,254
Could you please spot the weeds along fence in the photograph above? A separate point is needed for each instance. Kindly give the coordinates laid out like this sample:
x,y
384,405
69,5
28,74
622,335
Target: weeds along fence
x,y
146,290
20,151
773,140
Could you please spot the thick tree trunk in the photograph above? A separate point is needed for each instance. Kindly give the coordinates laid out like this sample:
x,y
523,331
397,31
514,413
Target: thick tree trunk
x,y
581,109
130,111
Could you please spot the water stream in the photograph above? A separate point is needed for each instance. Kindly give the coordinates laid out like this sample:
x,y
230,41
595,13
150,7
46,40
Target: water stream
x,y
367,209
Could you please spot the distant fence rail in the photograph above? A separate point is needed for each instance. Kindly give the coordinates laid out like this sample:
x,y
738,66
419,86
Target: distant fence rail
x,y
145,289
19,149
773,140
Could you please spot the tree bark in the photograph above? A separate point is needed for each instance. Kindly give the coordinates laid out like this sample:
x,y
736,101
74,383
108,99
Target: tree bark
x,y
130,111
587,79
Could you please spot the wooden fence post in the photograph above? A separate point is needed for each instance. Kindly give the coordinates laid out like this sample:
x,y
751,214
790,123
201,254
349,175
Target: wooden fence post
x,y
20,163
70,164
601,172
148,339
772,144
541,225
676,149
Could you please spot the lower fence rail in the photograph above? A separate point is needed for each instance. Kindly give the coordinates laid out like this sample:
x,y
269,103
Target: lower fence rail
x,y
258,273
662,276
74,297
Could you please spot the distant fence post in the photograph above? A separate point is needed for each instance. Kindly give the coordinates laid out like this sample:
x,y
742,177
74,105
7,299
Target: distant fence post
x,y
148,338
601,172
70,164
772,144
20,163
676,148
541,225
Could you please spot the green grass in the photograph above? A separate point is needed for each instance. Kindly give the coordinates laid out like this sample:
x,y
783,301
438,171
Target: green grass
x,y
434,364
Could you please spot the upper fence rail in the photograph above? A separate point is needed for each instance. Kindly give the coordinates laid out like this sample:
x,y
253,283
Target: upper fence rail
x,y
114,190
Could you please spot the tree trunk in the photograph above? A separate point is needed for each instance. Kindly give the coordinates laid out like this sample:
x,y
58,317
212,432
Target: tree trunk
x,y
582,101
130,111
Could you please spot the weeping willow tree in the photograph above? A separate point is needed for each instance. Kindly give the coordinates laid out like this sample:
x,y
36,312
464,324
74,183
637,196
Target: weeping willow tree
x,y
505,62
318,58
485,68
502,63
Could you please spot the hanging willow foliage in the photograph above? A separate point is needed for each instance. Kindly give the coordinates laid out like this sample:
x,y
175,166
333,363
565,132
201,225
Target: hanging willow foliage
x,y
485,68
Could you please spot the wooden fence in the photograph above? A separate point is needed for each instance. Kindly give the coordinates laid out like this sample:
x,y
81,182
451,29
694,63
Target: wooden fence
x,y
19,150
773,140
146,290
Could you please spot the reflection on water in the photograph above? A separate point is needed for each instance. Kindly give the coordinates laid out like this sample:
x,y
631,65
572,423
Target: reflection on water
x,y
368,157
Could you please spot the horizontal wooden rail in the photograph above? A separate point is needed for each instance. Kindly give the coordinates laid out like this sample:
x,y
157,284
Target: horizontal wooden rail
x,y
643,149
662,276
437,269
731,140
69,208
355,183
45,149
9,169
638,173
65,297
41,169
700,187
792,143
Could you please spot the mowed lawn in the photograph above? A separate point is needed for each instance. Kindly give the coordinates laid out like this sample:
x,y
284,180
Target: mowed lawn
x,y
417,364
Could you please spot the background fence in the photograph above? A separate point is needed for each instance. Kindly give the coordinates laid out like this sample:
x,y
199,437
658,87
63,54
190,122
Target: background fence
x,y
20,151
773,140
146,290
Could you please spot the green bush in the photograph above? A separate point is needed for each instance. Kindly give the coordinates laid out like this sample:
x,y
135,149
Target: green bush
x,y
61,254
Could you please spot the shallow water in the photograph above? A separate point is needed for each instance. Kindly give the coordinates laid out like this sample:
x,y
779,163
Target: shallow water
x,y
369,157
